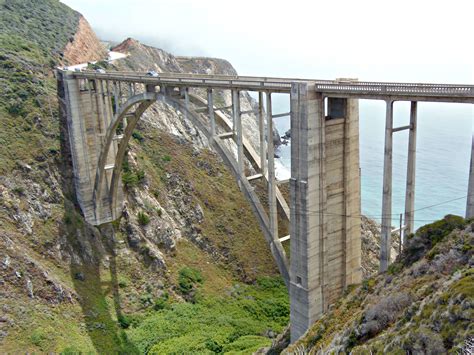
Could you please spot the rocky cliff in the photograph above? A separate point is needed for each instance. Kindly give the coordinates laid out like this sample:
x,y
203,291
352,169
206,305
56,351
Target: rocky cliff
x,y
84,46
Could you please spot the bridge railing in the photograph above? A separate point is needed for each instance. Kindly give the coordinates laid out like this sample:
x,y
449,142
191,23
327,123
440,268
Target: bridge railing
x,y
343,86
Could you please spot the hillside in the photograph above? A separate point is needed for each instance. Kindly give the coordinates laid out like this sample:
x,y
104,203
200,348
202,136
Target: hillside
x,y
424,304
187,242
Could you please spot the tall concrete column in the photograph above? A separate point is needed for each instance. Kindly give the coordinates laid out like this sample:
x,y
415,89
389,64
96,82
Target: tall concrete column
x,y
212,118
307,207
272,202
385,243
342,244
411,168
238,130
352,205
186,102
470,189
261,128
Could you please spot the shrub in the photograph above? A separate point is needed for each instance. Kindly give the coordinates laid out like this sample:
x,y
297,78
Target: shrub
x,y
162,302
140,174
381,315
124,321
214,346
166,158
138,136
129,179
428,236
188,280
143,218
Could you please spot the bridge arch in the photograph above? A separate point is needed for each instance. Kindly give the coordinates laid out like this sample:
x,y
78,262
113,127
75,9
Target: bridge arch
x,y
142,102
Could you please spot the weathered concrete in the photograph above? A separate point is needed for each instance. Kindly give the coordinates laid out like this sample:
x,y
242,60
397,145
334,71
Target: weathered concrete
x,y
325,194
411,173
88,113
385,243
470,190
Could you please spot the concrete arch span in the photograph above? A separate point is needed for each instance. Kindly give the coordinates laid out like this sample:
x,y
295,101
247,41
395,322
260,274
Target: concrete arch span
x,y
141,102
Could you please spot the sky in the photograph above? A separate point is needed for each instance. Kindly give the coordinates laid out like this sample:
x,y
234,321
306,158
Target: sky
x,y
371,40
412,41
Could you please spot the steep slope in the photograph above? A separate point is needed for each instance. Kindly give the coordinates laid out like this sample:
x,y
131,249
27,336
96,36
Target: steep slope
x,y
187,235
423,304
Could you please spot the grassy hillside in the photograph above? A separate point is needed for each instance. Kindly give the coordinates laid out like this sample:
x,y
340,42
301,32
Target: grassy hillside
x,y
423,304
186,252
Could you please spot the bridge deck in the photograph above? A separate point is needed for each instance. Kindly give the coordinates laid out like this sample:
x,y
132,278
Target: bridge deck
x,y
331,88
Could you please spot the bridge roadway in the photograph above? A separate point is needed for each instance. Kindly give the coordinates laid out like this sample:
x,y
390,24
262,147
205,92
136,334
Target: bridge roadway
x,y
341,88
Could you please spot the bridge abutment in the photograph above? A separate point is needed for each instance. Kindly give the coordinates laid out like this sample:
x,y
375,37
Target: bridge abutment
x,y
88,109
325,203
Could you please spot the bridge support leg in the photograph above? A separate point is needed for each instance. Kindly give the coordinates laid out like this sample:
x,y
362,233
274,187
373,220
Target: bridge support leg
x,y
272,202
212,118
238,130
385,243
88,114
411,165
307,197
325,204
261,128
470,189
186,102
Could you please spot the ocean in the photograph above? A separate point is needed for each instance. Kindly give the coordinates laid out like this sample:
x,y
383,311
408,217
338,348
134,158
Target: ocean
x,y
443,157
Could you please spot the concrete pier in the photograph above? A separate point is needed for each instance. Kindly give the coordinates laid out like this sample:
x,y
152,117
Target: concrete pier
x,y
325,194
411,172
385,243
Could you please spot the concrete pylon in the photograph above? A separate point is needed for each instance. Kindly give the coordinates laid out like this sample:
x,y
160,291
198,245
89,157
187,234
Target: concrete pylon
x,y
325,204
470,189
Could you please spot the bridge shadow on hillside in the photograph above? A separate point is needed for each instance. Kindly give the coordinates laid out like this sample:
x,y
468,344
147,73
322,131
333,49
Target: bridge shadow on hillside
x,y
94,273
93,266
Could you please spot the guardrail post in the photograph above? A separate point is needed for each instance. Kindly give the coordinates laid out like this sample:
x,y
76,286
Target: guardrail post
x,y
411,165
385,243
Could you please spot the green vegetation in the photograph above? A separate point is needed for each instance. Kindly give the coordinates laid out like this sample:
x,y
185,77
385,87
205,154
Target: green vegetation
x,y
112,296
143,218
132,177
423,304
188,279
240,321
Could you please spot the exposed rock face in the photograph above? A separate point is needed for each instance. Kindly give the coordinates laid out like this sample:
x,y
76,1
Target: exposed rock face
x,y
143,58
85,46
371,232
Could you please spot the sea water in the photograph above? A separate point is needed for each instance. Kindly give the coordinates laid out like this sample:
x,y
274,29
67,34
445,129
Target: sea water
x,y
442,159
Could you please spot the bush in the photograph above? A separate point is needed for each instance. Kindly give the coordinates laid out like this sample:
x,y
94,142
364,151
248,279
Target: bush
x,y
188,279
143,218
428,236
124,321
162,302
138,136
129,179
381,315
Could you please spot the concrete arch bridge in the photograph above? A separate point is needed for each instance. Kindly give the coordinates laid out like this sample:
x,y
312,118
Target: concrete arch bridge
x,y
102,109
